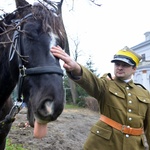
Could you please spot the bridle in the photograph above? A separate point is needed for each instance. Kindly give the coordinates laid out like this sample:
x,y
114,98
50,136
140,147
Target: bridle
x,y
23,72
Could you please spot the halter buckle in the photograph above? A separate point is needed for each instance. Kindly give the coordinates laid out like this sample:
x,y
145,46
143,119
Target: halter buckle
x,y
23,71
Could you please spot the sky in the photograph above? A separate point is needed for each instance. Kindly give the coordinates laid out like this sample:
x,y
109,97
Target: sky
x,y
102,31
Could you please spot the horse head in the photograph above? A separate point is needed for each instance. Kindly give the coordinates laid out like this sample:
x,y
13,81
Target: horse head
x,y
41,83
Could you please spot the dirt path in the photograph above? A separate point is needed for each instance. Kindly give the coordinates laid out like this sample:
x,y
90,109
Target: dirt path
x,y
68,132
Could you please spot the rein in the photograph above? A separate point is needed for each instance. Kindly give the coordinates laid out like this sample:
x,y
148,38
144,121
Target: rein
x,y
23,72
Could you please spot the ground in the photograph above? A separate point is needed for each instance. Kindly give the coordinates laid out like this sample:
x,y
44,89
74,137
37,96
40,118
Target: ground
x,y
68,132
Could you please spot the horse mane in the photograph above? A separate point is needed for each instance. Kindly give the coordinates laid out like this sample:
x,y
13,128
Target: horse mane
x,y
50,21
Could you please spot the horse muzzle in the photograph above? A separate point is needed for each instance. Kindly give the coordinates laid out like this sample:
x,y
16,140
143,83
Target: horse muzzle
x,y
48,111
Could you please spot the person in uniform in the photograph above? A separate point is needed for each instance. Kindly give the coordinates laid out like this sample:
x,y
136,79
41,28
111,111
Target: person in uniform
x,y
124,122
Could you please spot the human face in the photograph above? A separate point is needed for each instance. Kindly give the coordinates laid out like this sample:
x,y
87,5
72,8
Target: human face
x,y
123,70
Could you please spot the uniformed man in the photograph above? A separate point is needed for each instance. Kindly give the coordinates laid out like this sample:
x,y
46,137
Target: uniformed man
x,y
124,122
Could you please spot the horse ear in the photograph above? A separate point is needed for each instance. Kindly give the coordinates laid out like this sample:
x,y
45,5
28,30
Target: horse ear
x,y
20,3
66,44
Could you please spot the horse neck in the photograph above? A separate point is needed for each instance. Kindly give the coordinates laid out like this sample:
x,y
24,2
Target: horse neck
x,y
8,76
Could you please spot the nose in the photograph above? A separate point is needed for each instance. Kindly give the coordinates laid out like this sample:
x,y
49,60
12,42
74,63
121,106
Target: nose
x,y
45,110
48,110
120,66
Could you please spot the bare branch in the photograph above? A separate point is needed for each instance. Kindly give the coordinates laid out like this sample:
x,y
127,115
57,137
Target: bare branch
x,y
95,3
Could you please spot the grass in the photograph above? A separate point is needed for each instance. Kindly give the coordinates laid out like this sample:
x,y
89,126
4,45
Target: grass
x,y
69,106
11,146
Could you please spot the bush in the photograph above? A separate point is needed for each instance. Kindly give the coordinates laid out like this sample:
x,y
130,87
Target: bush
x,y
91,103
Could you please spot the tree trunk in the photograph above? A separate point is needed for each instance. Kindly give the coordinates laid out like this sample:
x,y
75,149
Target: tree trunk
x,y
73,91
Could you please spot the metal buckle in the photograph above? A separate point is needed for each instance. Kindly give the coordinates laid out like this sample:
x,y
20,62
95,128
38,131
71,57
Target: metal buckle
x,y
123,127
23,71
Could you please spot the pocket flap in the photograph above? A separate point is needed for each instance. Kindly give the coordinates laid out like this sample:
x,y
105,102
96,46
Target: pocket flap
x,y
117,92
143,99
99,131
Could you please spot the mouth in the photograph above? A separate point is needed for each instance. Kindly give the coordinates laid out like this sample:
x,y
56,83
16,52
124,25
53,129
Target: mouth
x,y
45,112
120,72
40,130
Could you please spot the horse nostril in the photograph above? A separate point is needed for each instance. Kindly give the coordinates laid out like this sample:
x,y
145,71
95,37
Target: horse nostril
x,y
48,107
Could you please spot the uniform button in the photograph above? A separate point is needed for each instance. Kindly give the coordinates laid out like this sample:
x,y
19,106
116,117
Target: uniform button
x,y
130,119
129,94
116,93
129,110
130,102
144,100
127,135
127,88
97,131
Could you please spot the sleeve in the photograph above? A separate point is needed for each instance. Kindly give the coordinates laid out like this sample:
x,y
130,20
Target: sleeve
x,y
93,85
73,77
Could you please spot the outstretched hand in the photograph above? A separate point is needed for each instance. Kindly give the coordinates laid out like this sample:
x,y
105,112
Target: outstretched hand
x,y
69,64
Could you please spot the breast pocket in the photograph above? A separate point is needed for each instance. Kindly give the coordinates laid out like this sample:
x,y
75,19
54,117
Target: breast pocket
x,y
116,98
143,104
101,132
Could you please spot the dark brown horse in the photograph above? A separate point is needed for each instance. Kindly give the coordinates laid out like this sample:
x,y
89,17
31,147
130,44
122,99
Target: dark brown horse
x,y
26,36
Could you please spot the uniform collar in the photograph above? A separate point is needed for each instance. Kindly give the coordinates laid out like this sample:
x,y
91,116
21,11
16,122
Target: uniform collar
x,y
123,83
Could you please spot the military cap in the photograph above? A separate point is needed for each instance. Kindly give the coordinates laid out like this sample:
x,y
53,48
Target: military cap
x,y
128,56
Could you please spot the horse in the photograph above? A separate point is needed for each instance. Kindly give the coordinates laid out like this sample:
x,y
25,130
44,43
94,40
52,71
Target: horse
x,y
26,36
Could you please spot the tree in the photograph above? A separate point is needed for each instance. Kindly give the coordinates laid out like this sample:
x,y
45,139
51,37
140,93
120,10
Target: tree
x,y
76,54
95,2
75,91
90,66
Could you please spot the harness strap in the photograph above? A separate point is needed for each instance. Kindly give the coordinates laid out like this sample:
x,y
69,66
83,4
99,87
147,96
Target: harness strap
x,y
41,70
10,118
123,128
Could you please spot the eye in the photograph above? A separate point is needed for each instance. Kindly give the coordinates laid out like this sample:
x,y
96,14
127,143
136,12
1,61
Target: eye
x,y
117,64
31,35
126,65
31,31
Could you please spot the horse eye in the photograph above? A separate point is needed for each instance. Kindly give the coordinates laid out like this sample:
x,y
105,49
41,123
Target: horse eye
x,y
31,35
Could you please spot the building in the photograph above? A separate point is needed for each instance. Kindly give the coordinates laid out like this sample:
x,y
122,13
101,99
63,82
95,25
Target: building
x,y
142,74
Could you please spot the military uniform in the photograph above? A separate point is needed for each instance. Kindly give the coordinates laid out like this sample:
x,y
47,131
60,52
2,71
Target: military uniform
x,y
125,103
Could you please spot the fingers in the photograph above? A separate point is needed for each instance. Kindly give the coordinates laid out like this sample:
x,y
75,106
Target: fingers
x,y
59,52
69,63
57,49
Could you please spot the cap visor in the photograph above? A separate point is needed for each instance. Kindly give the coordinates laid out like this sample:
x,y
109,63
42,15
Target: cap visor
x,y
123,60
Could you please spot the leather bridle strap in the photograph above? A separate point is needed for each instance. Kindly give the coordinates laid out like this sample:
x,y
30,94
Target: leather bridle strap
x,y
41,70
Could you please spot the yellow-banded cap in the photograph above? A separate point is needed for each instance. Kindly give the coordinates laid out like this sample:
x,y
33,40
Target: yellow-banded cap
x,y
128,56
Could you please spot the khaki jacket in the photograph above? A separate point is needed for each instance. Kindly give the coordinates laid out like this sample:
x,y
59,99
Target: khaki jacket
x,y
126,103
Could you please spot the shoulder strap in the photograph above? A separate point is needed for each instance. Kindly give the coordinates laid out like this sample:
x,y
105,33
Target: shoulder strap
x,y
108,75
138,84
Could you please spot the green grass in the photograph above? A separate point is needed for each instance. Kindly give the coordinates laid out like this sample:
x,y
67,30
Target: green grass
x,y
11,146
69,106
